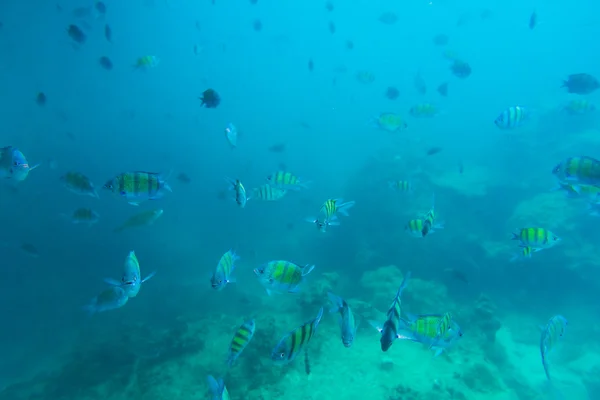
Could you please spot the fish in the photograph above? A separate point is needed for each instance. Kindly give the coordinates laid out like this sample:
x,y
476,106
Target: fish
x,y
392,93
403,186
146,62
231,134
433,150
513,117
443,89
365,77
217,388
75,33
577,171
347,321
84,216
183,177
41,99
424,329
282,276
267,192
389,122
429,223
131,280
277,148
14,165
240,340
323,225
311,65
286,180
79,184
441,39
30,250
210,99
579,107
415,227
536,238
138,186
423,110
296,341
533,20
224,272
388,18
108,33
581,83
551,333
461,69
143,218
240,195
110,299
524,254
332,207
257,25
391,327
331,27
105,63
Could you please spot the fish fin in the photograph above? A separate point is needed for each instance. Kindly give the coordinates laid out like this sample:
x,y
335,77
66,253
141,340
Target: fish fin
x,y
113,282
89,310
134,203
307,269
336,301
268,291
216,386
232,279
167,187
515,236
343,208
376,325
438,350
305,185
149,276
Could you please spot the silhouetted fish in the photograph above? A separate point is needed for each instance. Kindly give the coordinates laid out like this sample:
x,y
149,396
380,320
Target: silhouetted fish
x,y
277,148
433,150
443,89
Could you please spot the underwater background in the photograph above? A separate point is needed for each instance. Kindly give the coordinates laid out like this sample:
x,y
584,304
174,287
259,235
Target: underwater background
x,y
387,104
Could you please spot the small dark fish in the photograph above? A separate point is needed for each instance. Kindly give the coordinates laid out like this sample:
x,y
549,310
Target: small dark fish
x,y
210,99
331,27
440,39
76,34
311,65
433,150
30,250
329,6
349,44
457,274
277,148
392,93
461,69
70,135
533,20
581,83
41,99
183,177
101,8
59,8
305,125
108,33
443,89
105,63
388,18
461,167
257,25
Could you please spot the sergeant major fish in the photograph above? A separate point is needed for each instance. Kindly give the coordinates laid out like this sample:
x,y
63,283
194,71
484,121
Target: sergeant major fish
x,y
131,281
390,331
425,329
240,340
14,165
582,170
141,219
241,197
84,216
536,238
512,117
138,186
347,322
79,184
286,180
282,276
267,192
551,333
224,272
295,341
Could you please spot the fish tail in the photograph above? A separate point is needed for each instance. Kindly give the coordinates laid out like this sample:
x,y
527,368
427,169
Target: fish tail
x,y
318,319
336,301
404,283
546,368
343,208
216,386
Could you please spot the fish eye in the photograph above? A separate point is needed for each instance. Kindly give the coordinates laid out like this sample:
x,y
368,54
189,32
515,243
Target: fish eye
x,y
282,355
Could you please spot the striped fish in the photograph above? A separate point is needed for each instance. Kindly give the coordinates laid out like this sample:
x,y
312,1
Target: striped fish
x,y
444,325
401,186
79,184
323,225
138,186
425,329
296,341
536,238
286,180
240,192
512,117
333,206
267,192
347,321
240,340
429,224
581,170
524,254
282,276
131,280
391,327
84,216
217,388
415,227
224,272
551,333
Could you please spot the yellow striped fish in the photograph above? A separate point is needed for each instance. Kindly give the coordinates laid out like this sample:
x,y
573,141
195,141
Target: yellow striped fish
x,y
140,219
240,340
425,329
84,216
286,180
554,330
536,238
524,254
401,186
146,62
267,192
579,170
424,110
415,227
79,184
333,206
131,280
390,331
138,186
296,341
224,272
282,276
